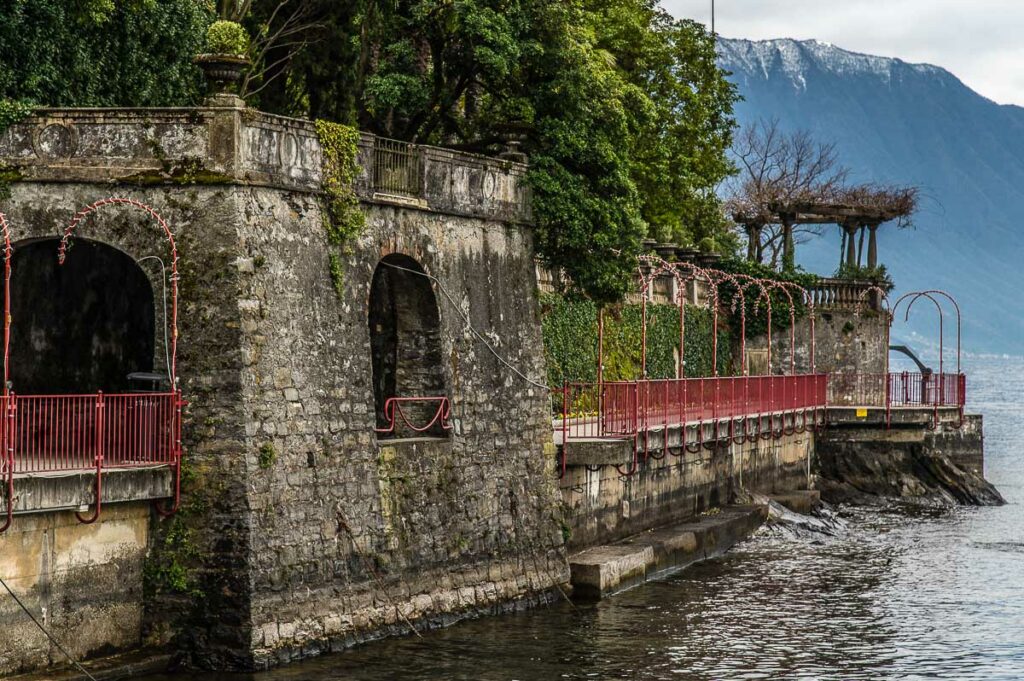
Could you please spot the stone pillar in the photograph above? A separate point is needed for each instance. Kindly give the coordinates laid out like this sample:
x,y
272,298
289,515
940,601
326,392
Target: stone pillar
x,y
753,240
788,247
872,246
851,245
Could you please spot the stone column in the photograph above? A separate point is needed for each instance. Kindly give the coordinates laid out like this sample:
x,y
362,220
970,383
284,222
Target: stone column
x,y
872,246
851,245
753,240
788,248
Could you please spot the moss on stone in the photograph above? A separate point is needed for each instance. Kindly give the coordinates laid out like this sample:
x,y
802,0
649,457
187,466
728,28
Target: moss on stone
x,y
267,455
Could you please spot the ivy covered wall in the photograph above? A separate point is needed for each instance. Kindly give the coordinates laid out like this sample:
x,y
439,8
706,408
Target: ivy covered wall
x,y
570,341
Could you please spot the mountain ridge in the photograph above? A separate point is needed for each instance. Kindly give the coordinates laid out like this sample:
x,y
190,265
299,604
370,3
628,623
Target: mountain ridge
x,y
908,124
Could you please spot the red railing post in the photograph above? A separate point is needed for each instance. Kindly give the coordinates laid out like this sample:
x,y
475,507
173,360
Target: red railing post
x,y
565,427
7,437
99,417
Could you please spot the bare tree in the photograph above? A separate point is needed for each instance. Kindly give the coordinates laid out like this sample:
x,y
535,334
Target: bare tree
x,y
287,29
779,172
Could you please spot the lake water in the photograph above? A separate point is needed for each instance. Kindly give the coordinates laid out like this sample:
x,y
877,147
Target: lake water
x,y
897,595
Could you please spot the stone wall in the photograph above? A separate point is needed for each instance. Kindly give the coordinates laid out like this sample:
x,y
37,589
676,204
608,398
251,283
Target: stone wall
x,y
354,535
84,583
847,342
964,446
602,505
299,531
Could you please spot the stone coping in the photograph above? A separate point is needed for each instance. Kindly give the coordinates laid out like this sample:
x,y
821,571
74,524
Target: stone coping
x,y
235,145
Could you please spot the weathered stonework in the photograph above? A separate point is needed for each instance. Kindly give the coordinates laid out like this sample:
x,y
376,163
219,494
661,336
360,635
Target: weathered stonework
x,y
603,506
845,342
305,533
864,461
84,581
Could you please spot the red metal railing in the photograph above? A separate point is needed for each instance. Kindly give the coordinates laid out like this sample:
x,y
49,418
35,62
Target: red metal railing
x,y
622,409
942,390
897,390
55,434
395,416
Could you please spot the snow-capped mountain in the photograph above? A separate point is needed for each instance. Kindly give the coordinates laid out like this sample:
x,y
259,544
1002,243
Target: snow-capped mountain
x,y
910,124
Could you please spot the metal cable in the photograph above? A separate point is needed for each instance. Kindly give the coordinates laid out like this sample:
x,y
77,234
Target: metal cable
x,y
469,325
48,634
163,281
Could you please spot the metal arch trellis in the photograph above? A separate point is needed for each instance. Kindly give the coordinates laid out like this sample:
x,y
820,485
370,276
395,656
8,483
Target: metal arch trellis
x,y
956,308
913,297
179,402
116,200
883,297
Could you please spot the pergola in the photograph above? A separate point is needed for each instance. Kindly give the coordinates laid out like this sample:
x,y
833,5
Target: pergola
x,y
873,208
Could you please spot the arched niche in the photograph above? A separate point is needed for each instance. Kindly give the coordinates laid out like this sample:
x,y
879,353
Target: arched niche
x,y
405,348
82,326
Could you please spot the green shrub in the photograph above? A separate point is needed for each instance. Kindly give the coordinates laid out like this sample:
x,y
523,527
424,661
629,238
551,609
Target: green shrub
x,y
569,329
227,37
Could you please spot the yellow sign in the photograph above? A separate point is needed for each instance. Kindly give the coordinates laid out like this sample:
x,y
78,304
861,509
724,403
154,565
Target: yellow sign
x,y
862,413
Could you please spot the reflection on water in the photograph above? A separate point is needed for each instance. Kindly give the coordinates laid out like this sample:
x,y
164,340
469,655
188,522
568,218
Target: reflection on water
x,y
898,595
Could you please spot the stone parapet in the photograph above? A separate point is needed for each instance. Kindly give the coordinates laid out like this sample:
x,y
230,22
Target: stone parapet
x,y
239,146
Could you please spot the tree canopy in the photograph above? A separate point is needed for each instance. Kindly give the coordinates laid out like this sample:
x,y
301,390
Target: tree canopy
x,y
102,52
621,109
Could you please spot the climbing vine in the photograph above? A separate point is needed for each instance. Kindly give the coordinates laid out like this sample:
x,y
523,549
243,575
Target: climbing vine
x,y
569,328
756,311
343,220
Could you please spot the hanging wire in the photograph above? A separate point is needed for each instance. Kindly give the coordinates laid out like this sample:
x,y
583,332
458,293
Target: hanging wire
x,y
163,283
469,325
48,634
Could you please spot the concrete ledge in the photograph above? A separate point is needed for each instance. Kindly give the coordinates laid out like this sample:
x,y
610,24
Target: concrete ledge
x,y
802,501
40,493
899,416
600,453
127,666
601,571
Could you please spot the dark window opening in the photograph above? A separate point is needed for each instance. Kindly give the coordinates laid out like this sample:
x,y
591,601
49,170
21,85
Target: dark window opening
x,y
405,344
79,327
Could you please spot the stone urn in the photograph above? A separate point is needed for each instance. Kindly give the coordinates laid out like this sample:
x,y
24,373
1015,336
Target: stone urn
x,y
684,254
223,71
665,251
708,259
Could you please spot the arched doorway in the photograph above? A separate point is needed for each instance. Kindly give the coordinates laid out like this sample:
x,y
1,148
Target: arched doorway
x,y
409,391
83,326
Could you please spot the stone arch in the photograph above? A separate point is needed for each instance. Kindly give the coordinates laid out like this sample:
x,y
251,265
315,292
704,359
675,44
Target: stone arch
x,y
82,326
405,344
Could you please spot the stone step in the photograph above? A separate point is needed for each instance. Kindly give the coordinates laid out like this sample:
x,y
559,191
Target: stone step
x,y
601,571
802,501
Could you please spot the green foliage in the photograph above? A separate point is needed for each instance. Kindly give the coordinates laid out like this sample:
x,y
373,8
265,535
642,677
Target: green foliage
x,y
337,274
102,52
569,328
878,276
343,219
13,111
755,307
227,37
621,108
267,455
171,572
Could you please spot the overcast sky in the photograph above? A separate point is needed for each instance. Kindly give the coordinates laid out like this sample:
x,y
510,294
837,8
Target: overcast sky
x,y
980,41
